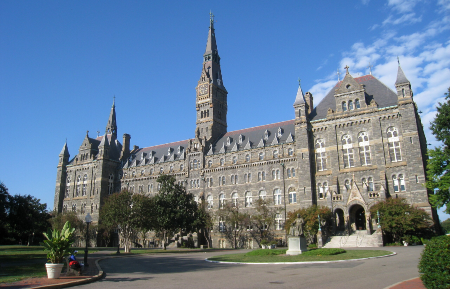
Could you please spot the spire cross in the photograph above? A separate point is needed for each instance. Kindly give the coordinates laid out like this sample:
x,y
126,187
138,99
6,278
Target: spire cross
x,y
98,133
346,67
398,60
370,68
87,133
211,17
339,75
299,81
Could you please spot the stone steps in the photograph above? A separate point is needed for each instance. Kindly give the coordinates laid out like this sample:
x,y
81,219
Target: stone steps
x,y
357,239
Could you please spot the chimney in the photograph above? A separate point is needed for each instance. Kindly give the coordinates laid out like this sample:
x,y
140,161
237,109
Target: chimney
x,y
309,101
125,147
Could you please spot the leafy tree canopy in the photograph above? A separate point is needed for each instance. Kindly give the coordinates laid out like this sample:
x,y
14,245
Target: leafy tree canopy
x,y
310,216
446,226
438,166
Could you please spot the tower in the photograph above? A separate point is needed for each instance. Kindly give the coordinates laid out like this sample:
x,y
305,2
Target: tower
x,y
111,127
61,178
211,102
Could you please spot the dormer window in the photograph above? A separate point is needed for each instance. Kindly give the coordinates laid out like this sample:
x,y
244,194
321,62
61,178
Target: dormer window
x,y
266,135
179,150
241,139
169,151
280,132
229,141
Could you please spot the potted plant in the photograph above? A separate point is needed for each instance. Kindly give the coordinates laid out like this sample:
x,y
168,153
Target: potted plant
x,y
57,247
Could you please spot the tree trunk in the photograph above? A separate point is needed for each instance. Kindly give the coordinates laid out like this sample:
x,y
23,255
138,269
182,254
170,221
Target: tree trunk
x,y
164,240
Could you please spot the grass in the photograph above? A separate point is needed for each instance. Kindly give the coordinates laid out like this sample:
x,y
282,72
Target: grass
x,y
21,262
310,256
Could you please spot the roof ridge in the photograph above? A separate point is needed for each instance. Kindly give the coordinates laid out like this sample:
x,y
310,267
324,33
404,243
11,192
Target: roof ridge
x,y
359,79
165,144
260,127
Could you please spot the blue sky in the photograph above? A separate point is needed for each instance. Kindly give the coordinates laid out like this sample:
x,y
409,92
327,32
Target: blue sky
x,y
62,62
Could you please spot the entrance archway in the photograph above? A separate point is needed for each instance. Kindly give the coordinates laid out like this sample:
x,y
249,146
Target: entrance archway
x,y
339,218
357,217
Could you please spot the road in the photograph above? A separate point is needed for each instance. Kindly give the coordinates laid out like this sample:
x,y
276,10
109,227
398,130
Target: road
x,y
192,271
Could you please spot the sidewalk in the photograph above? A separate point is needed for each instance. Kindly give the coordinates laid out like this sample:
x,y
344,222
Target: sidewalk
x,y
415,283
89,274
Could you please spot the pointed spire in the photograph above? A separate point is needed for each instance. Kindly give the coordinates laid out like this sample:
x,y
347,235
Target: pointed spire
x,y
300,98
401,78
65,150
211,46
111,127
104,141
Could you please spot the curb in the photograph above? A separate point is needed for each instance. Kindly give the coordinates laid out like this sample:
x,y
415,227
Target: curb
x,y
398,283
312,262
97,277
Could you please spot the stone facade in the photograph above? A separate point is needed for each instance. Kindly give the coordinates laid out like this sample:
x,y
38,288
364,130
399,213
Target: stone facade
x,y
361,144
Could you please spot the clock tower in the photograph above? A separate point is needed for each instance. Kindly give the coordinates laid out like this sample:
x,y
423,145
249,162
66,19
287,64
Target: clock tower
x,y
211,103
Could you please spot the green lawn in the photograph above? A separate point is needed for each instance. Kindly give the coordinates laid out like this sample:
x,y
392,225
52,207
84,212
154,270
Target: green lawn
x,y
21,262
348,255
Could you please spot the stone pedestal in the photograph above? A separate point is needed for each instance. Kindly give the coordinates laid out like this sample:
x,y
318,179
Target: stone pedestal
x,y
297,245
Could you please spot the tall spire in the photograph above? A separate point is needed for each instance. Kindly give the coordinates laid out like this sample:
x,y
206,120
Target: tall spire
x,y
111,127
211,46
300,98
401,78
65,150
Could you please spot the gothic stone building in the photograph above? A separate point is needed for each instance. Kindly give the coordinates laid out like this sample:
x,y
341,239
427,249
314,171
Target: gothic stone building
x,y
361,144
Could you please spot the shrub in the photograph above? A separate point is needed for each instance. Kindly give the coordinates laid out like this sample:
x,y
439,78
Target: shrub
x,y
267,252
434,264
324,252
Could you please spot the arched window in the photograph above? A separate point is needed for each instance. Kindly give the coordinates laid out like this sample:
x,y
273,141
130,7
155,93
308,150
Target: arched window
x,y
262,194
277,196
290,151
278,222
83,192
232,179
320,190
234,159
395,183
403,92
248,199
275,153
325,189
344,106
347,150
234,199
161,170
370,184
110,184
67,187
222,161
209,163
151,170
78,186
247,158
357,104
292,195
195,164
261,155
221,200
399,183
321,157
394,144
223,180
293,172
402,182
364,148
350,105
347,184
209,201
288,171
181,168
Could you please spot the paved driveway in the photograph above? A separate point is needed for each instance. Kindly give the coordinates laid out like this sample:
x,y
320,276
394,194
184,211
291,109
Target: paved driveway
x,y
191,271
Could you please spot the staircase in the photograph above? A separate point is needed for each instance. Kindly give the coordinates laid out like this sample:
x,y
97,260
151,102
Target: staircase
x,y
357,239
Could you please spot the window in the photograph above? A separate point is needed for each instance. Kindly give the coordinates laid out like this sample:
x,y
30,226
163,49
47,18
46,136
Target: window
x,y
67,187
171,168
288,173
290,151
223,180
234,159
278,222
222,161
395,182
275,154
325,188
292,196
347,149
221,226
321,158
181,168
247,158
142,172
293,172
357,104
209,163
394,144
221,200
161,170
195,164
83,193
234,199
277,196
209,201
399,183
344,106
133,174
111,184
261,155
151,171
370,184
350,105
248,199
364,148
234,179
262,194
320,190
347,184
74,208
77,193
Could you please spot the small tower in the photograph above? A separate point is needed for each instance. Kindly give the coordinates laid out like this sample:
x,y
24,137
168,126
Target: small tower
x,y
111,127
64,155
300,106
61,178
211,101
103,148
403,86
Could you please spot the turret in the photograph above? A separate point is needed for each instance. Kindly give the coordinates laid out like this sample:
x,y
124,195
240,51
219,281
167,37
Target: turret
x,y
111,127
300,105
403,86
64,155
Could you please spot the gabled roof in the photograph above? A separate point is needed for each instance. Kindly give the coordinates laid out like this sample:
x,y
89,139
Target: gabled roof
x,y
374,88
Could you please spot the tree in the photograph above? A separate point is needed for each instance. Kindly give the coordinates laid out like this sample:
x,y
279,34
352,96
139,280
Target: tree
x,y
204,223
233,224
27,219
127,213
310,216
59,219
398,219
446,226
263,220
174,209
438,166
4,209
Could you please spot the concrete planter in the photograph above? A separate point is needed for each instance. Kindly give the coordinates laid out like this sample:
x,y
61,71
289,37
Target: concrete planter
x,y
53,270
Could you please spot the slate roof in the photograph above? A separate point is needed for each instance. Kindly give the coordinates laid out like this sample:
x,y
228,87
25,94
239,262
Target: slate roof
x,y
401,78
254,137
158,154
374,88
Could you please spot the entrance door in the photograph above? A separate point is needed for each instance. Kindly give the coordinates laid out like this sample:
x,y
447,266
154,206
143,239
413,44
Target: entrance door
x,y
360,218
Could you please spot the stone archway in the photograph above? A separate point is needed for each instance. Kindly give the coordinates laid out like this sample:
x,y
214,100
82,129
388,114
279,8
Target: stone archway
x,y
357,215
340,220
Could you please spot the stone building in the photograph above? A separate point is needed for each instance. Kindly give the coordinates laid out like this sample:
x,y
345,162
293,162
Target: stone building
x,y
362,143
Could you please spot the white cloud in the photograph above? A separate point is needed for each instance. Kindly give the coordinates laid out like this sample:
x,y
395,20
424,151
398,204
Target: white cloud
x,y
365,2
445,4
409,18
403,6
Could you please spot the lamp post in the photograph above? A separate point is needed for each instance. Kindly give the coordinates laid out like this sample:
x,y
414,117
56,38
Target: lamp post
x,y
88,220
284,197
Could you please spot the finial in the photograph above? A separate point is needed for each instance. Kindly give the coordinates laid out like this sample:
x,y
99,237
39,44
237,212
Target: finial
x,y
87,133
338,74
398,60
346,67
114,101
211,18
98,133
370,68
66,140
299,82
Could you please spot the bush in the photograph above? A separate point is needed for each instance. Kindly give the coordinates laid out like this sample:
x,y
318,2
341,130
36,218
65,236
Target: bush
x,y
267,252
434,264
324,252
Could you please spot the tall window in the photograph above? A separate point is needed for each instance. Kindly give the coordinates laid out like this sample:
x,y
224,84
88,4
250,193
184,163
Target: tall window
x,y
364,148
321,158
399,183
221,225
320,190
222,161
247,158
209,163
67,187
110,184
209,201
248,199
234,199
344,106
347,184
278,222
277,196
357,104
276,174
234,159
350,105
275,154
261,155
221,200
370,184
262,194
195,164
290,151
83,192
347,149
292,196
78,186
325,188
394,144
